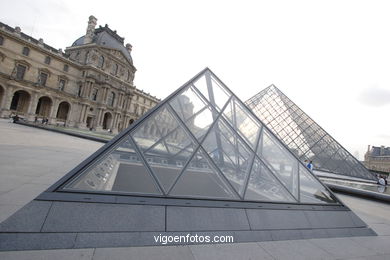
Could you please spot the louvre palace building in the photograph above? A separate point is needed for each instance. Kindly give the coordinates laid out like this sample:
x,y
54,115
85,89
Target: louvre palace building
x,y
89,85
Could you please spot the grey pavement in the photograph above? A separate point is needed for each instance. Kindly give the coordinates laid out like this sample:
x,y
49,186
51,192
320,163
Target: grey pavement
x,y
33,159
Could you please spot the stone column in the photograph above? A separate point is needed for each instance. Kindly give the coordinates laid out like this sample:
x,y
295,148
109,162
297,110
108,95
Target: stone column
x,y
90,89
99,126
53,112
32,106
85,114
6,102
82,115
71,121
105,91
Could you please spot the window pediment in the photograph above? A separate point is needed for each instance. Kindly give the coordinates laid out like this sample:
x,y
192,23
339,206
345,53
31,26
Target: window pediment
x,y
23,62
45,70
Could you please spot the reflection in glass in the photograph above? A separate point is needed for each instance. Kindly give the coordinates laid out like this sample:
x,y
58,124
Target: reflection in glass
x,y
230,154
283,164
311,190
241,119
153,128
194,111
263,186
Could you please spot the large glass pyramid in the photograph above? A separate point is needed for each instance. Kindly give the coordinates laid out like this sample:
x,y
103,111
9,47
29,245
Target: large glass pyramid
x,y
201,142
304,137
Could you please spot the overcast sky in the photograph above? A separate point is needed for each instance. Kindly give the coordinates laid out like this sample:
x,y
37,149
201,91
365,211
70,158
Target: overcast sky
x,y
332,58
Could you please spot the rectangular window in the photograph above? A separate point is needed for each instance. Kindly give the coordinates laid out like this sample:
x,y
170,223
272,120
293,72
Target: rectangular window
x,y
1,40
42,79
26,51
79,91
61,84
66,68
20,71
94,94
47,60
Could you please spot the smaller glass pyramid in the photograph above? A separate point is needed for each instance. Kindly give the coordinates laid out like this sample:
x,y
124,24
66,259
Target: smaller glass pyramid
x,y
201,142
304,137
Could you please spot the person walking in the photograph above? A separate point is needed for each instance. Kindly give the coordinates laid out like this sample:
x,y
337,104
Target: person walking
x,y
310,165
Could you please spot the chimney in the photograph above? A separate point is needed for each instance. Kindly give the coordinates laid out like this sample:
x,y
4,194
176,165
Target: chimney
x,y
382,150
368,149
129,47
90,29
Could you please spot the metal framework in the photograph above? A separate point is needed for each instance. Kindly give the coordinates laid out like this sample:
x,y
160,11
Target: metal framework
x,y
200,143
303,136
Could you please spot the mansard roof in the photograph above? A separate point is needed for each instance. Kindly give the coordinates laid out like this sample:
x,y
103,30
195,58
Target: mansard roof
x,y
105,37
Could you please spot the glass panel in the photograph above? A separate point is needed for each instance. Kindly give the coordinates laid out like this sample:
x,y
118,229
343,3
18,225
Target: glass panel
x,y
168,163
312,191
242,121
212,91
187,103
201,180
263,186
153,128
230,154
122,170
284,165
221,95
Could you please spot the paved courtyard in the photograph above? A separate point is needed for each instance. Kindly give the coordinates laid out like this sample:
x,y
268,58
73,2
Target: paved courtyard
x,y
32,159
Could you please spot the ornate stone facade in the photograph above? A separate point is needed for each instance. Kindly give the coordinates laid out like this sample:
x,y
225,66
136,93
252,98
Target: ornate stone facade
x,y
90,85
378,159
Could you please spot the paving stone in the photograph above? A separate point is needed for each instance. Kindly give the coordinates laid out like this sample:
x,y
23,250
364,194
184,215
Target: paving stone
x,y
358,222
59,254
381,245
339,232
294,249
342,247
252,236
23,194
30,218
36,241
261,219
330,219
99,217
362,232
314,233
371,257
291,234
381,229
205,219
7,210
140,253
229,251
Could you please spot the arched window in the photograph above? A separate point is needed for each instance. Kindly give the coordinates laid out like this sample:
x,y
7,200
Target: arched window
x,y
26,51
101,62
